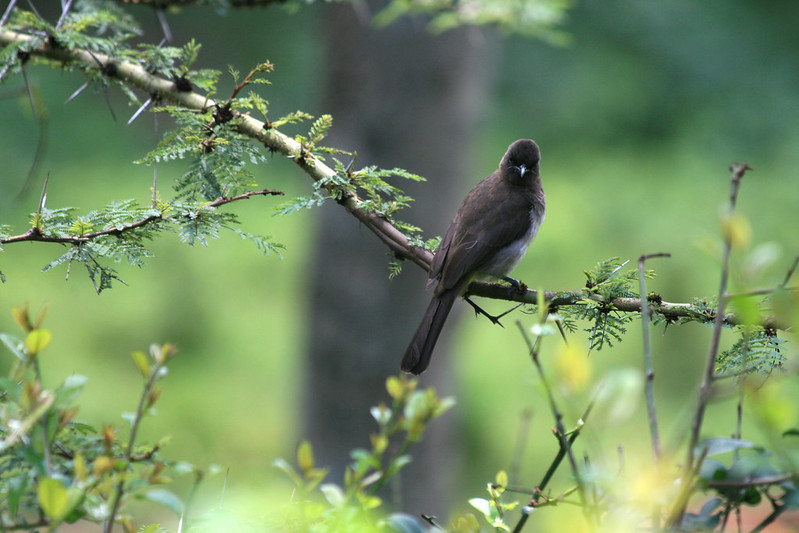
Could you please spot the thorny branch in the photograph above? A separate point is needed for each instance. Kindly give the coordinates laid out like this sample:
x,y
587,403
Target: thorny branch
x,y
35,234
398,243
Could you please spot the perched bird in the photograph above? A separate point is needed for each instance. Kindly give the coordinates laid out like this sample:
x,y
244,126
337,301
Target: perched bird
x,y
492,229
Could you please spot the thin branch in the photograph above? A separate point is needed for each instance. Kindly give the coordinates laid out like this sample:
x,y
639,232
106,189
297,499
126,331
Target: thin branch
x,y
7,12
155,375
222,200
738,171
692,464
670,311
790,272
649,384
35,234
757,481
648,368
687,486
559,428
398,243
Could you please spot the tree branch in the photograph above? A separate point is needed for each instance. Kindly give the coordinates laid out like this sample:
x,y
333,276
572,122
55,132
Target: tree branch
x,y
165,90
36,235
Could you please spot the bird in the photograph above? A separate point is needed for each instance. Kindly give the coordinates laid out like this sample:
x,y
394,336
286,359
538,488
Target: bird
x,y
489,235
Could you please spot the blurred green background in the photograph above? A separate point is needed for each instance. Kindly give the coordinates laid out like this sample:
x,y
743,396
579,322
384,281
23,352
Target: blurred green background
x,y
638,119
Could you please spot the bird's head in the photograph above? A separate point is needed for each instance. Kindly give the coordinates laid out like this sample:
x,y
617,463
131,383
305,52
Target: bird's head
x,y
520,162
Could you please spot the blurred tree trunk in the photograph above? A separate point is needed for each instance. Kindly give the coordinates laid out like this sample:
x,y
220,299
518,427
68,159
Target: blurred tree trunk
x,y
401,97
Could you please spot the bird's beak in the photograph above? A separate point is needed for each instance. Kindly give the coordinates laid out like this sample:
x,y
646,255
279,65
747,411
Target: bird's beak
x,y
522,170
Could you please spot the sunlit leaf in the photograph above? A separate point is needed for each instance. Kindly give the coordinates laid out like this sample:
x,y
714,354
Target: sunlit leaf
x,y
52,498
37,340
141,362
333,493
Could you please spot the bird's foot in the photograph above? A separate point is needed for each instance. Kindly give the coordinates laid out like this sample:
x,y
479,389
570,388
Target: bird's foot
x,y
480,311
494,319
520,286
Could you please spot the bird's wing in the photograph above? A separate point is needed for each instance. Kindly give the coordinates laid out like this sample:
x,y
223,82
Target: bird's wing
x,y
468,251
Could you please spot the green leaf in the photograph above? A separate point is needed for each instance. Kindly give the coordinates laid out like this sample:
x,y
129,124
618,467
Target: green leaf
x,y
712,470
283,465
333,494
12,388
501,478
69,390
16,488
52,498
721,445
396,464
165,498
305,458
140,360
482,505
15,345
404,523
394,387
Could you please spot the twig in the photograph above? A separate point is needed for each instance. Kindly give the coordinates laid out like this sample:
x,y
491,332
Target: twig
x,y
35,234
691,465
533,349
538,492
7,12
648,368
738,171
778,510
198,477
687,486
790,272
521,440
155,374
747,482
649,384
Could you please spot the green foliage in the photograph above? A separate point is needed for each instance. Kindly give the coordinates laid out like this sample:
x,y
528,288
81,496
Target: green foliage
x,y
370,184
355,505
120,231
55,469
534,18
220,156
608,281
756,351
752,477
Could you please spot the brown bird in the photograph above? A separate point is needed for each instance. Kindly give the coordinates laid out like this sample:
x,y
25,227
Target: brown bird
x,y
492,229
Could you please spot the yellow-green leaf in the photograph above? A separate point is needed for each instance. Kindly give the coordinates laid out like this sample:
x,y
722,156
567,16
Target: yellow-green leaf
x,y
305,457
21,317
52,498
37,340
394,387
140,359
501,478
79,464
80,227
737,230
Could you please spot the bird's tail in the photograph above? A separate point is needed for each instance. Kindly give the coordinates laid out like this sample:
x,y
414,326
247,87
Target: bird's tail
x,y
417,356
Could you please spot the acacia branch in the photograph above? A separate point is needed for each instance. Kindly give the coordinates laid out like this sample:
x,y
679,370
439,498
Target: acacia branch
x,y
35,234
670,311
166,90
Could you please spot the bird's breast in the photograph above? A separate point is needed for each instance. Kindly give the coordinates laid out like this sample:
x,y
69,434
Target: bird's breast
x,y
510,255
